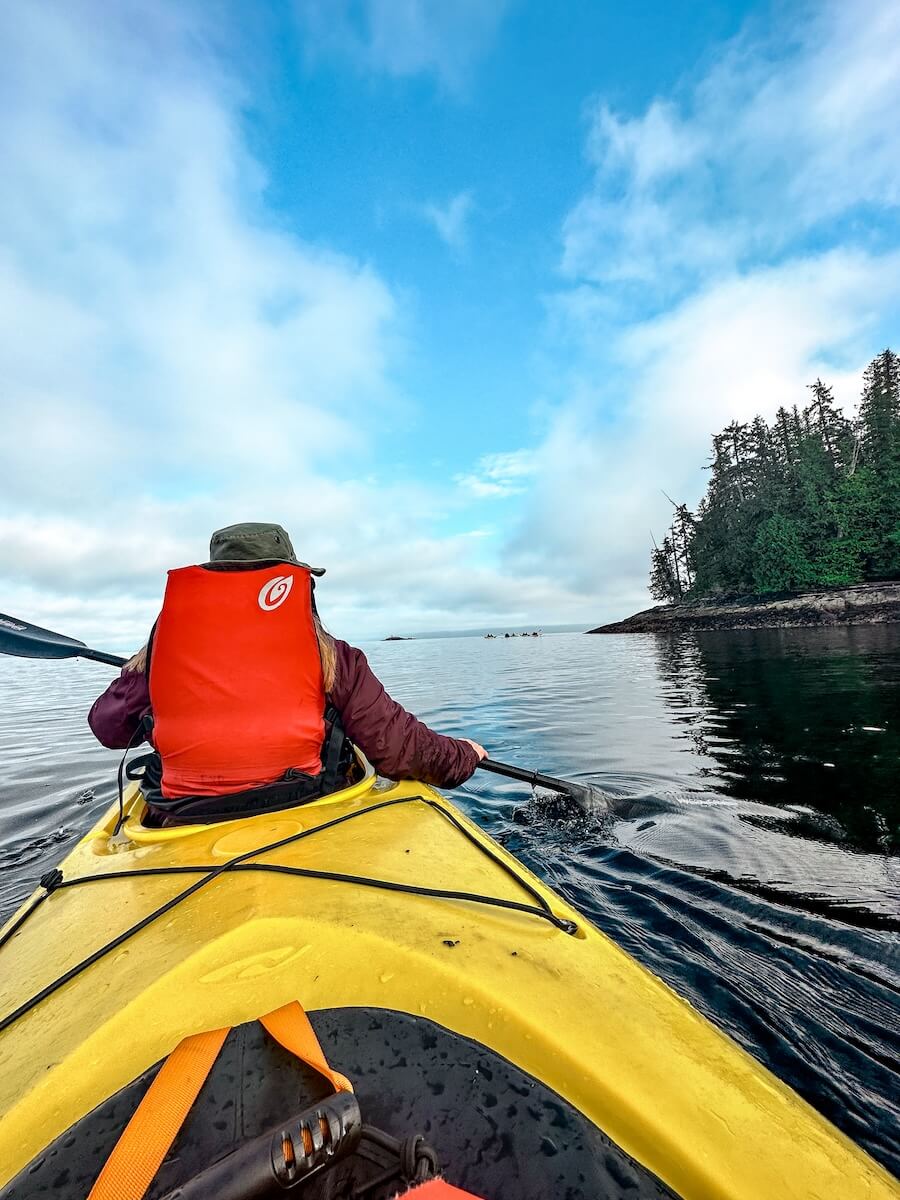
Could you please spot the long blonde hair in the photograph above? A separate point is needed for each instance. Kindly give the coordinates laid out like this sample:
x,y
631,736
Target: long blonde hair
x,y
138,662
326,653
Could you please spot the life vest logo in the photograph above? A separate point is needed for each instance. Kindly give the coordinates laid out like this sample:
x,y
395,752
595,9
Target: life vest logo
x,y
275,592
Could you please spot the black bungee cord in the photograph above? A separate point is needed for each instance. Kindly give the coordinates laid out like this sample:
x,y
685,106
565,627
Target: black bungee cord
x,y
135,740
54,881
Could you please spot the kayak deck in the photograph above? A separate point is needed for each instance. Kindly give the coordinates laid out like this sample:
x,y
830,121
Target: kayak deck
x,y
570,1009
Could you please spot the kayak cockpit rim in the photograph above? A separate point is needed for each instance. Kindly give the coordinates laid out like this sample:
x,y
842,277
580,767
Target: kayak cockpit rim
x,y
135,831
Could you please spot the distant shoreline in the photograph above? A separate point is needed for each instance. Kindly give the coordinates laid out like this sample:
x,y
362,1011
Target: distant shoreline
x,y
863,604
481,631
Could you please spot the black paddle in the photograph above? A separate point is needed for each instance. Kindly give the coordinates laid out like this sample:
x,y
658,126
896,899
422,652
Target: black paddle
x,y
589,799
30,641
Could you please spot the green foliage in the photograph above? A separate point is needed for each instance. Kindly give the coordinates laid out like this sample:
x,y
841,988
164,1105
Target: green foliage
x,y
812,500
779,559
837,566
662,578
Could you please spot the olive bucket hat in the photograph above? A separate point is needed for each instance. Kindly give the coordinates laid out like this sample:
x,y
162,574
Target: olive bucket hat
x,y
255,541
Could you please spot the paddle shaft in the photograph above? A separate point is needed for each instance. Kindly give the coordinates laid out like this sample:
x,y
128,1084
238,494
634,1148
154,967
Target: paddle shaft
x,y
113,660
532,777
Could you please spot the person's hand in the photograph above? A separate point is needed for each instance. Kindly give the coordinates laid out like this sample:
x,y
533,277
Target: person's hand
x,y
479,750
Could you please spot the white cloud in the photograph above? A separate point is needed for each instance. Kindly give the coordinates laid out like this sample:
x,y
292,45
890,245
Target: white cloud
x,y
733,245
142,291
450,219
403,37
658,145
743,345
386,572
500,475
784,134
172,362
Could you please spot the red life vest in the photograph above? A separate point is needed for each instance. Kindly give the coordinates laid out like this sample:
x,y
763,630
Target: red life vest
x,y
236,682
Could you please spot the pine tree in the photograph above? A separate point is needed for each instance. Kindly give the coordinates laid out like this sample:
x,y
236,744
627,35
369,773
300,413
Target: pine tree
x,y
879,410
709,548
662,583
824,420
812,500
879,436
780,560
682,538
783,436
664,580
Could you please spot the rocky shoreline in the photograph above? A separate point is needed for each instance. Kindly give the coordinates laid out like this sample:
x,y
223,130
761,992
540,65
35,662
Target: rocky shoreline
x,y
863,604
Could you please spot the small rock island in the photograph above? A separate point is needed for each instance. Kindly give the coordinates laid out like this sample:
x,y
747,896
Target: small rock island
x,y
800,523
865,604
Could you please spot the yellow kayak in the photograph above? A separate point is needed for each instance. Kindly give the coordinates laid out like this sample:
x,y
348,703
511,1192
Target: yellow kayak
x,y
457,992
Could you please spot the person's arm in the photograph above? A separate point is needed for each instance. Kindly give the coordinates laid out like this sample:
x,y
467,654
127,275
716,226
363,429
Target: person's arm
x,y
396,744
116,715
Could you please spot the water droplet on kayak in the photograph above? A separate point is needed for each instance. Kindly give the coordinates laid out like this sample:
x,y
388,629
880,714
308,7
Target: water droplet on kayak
x,y
468,1000
385,976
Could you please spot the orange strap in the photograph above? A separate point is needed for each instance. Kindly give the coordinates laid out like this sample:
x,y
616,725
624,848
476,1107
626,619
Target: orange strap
x,y
148,1136
290,1027
145,1140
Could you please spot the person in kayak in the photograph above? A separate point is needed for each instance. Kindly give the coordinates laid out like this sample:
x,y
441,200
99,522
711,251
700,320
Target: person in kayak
x,y
245,697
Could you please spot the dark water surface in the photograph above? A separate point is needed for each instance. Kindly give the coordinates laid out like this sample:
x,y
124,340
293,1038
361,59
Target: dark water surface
x,y
751,861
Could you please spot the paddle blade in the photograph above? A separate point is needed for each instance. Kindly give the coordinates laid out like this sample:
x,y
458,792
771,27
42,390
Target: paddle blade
x,y
590,800
30,641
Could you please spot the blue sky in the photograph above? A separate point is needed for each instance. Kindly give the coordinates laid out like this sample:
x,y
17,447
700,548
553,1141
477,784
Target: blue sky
x,y
451,290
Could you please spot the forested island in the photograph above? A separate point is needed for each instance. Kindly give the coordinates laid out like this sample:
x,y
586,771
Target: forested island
x,y
800,523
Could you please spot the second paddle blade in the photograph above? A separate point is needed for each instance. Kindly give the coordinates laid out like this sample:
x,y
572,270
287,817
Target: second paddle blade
x,y
30,641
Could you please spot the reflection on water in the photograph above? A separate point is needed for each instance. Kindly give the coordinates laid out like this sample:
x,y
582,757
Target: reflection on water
x,y
750,861
803,729
797,718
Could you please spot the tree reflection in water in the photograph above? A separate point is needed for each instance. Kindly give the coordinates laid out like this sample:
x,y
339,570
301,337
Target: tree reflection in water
x,y
799,719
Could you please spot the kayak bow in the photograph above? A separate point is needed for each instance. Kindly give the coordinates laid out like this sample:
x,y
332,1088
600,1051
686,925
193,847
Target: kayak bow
x,y
429,959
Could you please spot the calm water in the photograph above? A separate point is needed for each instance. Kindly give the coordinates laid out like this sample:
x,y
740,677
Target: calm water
x,y
752,858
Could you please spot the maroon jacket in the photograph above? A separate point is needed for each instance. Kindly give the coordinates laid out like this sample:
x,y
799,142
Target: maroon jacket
x,y
395,743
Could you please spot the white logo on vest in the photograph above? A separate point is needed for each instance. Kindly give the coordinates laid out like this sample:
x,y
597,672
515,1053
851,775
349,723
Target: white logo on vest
x,y
275,592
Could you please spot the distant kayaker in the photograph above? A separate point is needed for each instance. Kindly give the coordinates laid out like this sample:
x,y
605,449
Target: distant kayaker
x,y
243,693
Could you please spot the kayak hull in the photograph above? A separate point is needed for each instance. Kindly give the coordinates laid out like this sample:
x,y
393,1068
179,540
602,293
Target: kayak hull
x,y
570,1009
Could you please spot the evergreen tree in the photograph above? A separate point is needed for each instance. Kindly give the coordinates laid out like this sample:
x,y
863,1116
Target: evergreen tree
x,y
879,436
766,476
780,561
812,500
662,581
670,573
879,410
783,437
709,548
829,425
